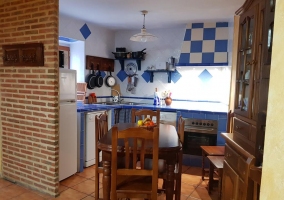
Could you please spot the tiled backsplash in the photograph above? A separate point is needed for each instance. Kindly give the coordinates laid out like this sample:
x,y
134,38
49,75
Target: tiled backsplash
x,y
205,44
200,83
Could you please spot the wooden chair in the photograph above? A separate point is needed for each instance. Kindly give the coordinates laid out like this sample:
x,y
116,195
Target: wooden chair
x,y
130,181
143,113
178,171
101,124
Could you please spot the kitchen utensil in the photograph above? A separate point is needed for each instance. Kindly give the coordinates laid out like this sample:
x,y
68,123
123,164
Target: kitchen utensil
x,y
90,80
99,79
110,80
118,55
130,69
138,54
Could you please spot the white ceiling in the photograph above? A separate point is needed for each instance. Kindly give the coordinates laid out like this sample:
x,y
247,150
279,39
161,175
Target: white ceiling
x,y
126,15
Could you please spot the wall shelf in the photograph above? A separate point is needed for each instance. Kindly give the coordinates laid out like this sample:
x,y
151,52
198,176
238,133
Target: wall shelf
x,y
138,61
151,72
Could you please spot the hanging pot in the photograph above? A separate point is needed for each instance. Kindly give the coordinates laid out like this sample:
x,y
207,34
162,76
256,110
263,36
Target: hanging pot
x,y
110,80
138,54
90,80
99,80
118,55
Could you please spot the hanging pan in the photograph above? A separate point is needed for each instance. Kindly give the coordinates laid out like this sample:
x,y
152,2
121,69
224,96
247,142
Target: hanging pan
x,y
99,79
90,80
110,80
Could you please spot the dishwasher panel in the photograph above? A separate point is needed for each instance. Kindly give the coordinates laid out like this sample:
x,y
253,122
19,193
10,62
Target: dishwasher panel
x,y
90,138
168,118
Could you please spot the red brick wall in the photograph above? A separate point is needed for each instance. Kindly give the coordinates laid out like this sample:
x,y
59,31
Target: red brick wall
x,y
29,96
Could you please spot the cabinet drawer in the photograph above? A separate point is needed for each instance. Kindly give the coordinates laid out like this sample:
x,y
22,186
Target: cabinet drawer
x,y
241,128
242,168
253,134
231,157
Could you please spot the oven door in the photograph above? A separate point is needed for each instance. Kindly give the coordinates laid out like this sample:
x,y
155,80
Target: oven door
x,y
193,141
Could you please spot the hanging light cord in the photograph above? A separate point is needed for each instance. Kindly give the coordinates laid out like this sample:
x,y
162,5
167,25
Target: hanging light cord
x,y
144,21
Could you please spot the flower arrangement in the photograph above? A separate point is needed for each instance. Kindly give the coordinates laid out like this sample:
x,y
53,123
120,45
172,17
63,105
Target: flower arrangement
x,y
166,94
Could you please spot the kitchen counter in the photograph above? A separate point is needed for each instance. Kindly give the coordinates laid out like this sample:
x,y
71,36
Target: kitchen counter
x,y
200,110
183,106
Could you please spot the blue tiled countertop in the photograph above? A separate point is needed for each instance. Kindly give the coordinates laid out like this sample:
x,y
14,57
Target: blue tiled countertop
x,y
175,106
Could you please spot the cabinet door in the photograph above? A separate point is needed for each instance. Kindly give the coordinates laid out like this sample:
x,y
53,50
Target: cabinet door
x,y
268,36
229,183
246,62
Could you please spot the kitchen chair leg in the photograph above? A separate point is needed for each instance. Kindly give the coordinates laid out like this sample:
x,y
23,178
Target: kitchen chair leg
x,y
106,179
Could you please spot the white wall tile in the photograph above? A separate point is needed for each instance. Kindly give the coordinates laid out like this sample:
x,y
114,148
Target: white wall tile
x,y
196,34
222,33
208,46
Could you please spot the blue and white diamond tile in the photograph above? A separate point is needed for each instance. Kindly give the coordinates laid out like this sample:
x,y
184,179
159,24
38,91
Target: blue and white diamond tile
x,y
121,75
146,76
175,76
205,75
85,31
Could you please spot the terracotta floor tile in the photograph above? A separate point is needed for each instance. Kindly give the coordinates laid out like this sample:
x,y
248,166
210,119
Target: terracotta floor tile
x,y
187,189
89,198
202,193
190,179
4,183
193,171
11,191
184,168
62,188
29,196
100,179
88,172
70,194
73,180
87,187
101,195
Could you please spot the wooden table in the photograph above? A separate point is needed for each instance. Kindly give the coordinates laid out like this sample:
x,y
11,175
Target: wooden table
x,y
169,148
210,151
216,162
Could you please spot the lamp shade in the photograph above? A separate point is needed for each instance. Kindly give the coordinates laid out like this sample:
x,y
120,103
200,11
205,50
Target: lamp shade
x,y
143,36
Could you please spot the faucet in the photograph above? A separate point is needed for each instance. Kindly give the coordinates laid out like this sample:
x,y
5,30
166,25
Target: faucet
x,y
118,94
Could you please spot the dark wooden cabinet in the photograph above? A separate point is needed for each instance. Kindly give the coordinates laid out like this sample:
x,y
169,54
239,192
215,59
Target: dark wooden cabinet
x,y
230,182
236,183
99,63
244,146
255,32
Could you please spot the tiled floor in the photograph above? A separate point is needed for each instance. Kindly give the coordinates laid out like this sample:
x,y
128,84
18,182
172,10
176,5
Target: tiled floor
x,y
82,186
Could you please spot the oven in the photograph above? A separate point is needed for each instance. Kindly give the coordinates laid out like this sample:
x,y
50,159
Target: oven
x,y
199,132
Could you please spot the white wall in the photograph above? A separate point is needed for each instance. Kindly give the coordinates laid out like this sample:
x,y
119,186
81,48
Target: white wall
x,y
100,43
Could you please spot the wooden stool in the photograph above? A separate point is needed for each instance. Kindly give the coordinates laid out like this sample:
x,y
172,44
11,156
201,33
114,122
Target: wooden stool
x,y
210,151
216,162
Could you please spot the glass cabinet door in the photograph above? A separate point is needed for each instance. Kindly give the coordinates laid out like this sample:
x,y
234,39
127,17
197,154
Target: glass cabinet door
x,y
245,64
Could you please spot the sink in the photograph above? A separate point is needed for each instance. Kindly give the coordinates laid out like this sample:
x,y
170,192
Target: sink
x,y
121,103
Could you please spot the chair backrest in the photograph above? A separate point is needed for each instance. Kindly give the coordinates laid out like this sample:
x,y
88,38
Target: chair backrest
x,y
143,113
136,141
101,124
181,123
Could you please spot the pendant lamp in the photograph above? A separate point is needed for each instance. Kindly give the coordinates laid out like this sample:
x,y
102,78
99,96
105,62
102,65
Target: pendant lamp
x,y
143,36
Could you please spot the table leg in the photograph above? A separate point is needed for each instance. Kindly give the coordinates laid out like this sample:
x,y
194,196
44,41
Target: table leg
x,y
178,178
170,182
220,171
202,166
106,180
211,172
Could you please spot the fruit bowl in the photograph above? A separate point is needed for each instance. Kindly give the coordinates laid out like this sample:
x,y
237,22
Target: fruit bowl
x,y
149,127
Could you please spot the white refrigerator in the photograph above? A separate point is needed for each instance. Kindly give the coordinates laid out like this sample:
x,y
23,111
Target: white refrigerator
x,y
67,123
